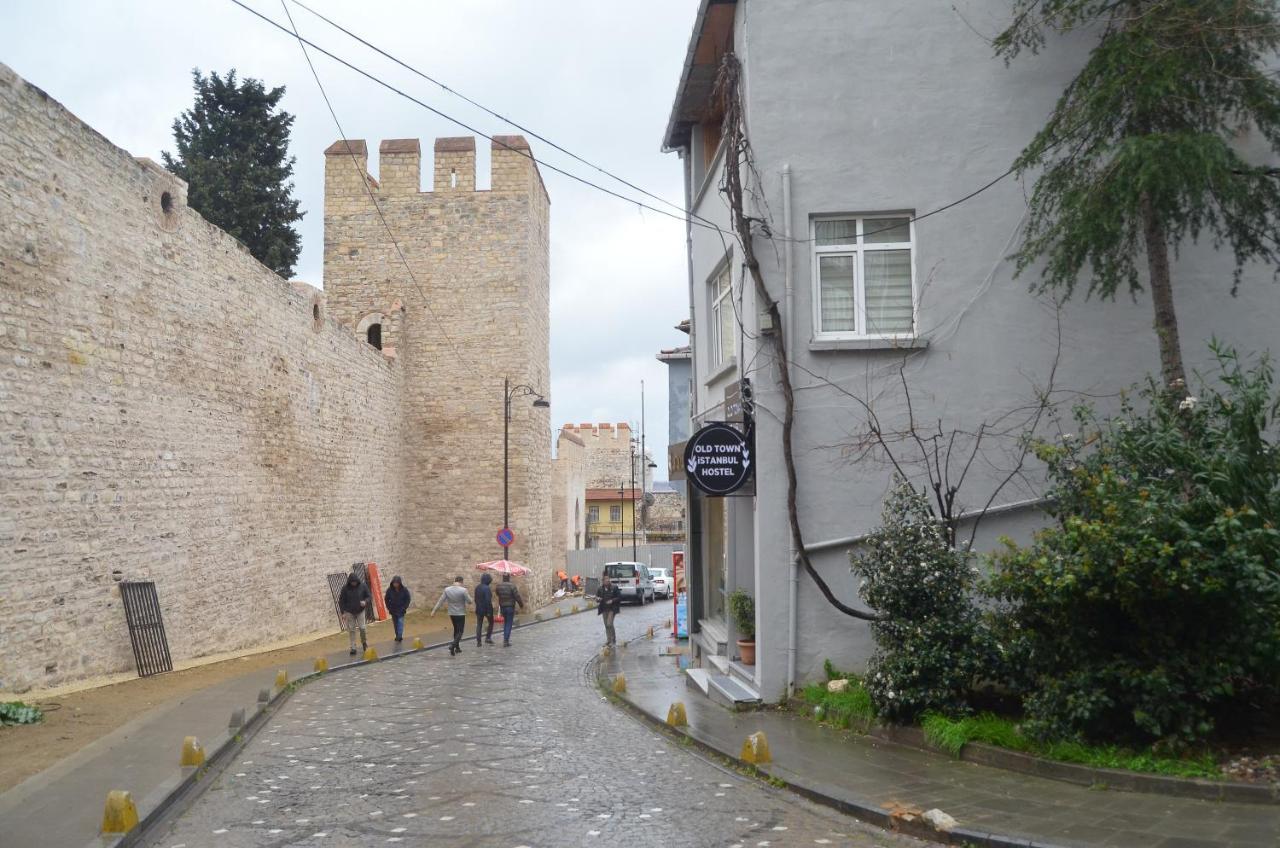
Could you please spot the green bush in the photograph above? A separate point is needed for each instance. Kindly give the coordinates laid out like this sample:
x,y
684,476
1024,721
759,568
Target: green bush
x,y
16,712
931,646
742,607
1151,609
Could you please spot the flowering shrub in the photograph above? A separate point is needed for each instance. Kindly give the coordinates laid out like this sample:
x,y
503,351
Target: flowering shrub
x,y
1151,610
930,645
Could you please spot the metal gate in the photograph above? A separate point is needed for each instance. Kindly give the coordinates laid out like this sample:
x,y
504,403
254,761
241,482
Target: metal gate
x,y
336,582
146,627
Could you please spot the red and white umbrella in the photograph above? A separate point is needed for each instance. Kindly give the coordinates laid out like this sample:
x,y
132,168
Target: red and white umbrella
x,y
503,566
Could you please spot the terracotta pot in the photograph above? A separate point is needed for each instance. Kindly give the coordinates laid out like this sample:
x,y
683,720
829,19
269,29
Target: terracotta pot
x,y
747,651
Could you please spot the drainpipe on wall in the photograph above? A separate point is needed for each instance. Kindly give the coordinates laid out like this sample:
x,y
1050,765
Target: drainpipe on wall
x,y
788,321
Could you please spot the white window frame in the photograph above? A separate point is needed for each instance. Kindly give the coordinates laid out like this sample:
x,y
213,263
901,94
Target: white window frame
x,y
615,514
593,514
718,301
856,250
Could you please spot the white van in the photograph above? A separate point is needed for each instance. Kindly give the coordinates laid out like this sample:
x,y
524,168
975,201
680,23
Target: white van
x,y
633,579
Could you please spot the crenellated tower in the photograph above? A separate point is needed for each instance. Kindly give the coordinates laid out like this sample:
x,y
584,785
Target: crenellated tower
x,y
471,308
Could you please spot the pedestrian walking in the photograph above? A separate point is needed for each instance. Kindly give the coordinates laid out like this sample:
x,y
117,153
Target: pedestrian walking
x,y
353,600
484,609
455,598
608,602
397,599
508,598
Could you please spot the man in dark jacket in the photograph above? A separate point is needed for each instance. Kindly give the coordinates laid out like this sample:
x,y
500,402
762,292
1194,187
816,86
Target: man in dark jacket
x,y
608,602
484,608
508,596
353,600
397,598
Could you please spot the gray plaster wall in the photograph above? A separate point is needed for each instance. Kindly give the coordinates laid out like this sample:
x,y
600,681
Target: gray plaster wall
x,y
902,107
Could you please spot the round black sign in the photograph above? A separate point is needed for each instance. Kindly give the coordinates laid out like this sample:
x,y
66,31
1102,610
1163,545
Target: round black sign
x,y
717,459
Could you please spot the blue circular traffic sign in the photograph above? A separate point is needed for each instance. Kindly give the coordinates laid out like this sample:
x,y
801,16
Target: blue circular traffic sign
x,y
506,537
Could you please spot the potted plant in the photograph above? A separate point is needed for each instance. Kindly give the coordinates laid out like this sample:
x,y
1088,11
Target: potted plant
x,y
743,609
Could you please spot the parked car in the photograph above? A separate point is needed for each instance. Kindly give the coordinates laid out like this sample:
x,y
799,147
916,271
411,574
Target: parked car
x,y
633,579
661,582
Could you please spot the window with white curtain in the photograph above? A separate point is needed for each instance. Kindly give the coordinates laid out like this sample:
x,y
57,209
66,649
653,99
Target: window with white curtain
x,y
723,320
864,272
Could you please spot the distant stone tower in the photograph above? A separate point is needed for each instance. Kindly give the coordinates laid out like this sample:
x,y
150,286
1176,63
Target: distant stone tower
x,y
475,310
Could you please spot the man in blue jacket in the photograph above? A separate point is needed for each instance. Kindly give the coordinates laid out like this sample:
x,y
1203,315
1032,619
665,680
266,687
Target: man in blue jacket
x,y
484,609
397,599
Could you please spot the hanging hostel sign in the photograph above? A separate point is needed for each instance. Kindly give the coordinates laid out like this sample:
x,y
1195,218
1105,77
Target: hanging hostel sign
x,y
718,459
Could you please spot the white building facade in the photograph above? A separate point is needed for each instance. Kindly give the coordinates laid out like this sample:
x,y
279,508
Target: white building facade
x,y
861,118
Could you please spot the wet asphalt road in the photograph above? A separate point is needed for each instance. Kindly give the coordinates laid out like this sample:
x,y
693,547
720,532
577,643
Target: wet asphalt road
x,y
495,747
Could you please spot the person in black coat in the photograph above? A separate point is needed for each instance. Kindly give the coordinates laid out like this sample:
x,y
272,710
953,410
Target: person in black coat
x,y
609,601
484,609
397,598
353,600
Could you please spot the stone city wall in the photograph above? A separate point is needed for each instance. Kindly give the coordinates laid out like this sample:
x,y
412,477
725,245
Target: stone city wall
x,y
170,410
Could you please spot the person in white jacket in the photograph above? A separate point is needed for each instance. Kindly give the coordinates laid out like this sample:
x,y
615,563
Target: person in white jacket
x,y
456,598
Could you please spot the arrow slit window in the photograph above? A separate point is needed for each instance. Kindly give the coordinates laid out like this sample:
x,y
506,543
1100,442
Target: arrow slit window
x,y
864,276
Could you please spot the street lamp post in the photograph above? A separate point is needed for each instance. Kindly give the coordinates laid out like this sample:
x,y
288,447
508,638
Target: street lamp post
x,y
635,556
509,392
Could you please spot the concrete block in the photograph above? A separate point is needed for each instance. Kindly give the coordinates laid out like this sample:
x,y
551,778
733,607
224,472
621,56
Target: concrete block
x,y
237,719
755,749
120,815
192,753
677,715
264,695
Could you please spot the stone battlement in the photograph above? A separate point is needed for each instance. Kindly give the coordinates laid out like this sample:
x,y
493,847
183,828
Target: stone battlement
x,y
512,167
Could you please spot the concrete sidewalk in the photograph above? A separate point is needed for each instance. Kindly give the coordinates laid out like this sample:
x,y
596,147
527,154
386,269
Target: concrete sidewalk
x,y
870,777
63,805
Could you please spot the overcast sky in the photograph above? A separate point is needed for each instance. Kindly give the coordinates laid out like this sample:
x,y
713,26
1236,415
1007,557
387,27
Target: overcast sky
x,y
596,78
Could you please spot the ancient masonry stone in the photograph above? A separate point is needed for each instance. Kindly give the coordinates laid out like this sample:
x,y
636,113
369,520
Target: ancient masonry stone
x,y
170,410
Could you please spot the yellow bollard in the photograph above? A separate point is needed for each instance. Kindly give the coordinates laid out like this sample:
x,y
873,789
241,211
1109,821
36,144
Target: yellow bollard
x,y
558,612
370,654
322,665
755,749
619,684
537,616
282,679
676,716
417,643
606,651
573,608
650,633
120,815
192,752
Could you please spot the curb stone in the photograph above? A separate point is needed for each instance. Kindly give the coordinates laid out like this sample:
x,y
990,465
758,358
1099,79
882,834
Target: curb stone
x,y
858,808
176,795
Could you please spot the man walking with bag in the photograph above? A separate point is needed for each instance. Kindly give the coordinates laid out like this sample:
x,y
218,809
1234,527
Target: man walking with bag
x,y
508,596
353,600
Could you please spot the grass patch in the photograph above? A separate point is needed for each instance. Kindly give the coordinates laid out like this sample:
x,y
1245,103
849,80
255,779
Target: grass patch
x,y
848,709
952,734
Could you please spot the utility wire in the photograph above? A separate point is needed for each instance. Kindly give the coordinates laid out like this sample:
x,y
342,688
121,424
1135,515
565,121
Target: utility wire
x,y
685,215
487,110
364,181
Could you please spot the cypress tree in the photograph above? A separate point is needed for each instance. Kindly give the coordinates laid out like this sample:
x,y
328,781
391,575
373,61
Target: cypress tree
x,y
1141,151
233,152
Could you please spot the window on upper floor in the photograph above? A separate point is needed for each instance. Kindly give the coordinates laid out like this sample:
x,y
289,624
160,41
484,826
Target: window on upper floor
x,y
593,515
723,319
864,276
615,514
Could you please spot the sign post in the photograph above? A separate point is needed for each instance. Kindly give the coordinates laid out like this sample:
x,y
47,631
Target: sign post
x,y
718,459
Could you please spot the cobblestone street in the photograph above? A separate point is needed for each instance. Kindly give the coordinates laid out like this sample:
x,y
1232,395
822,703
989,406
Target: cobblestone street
x,y
496,747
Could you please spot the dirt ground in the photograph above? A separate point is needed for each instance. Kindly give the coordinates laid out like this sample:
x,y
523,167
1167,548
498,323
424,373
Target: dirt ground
x,y
75,720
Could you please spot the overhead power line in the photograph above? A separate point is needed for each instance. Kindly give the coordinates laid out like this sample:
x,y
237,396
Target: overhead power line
x,y
692,218
510,121
364,181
